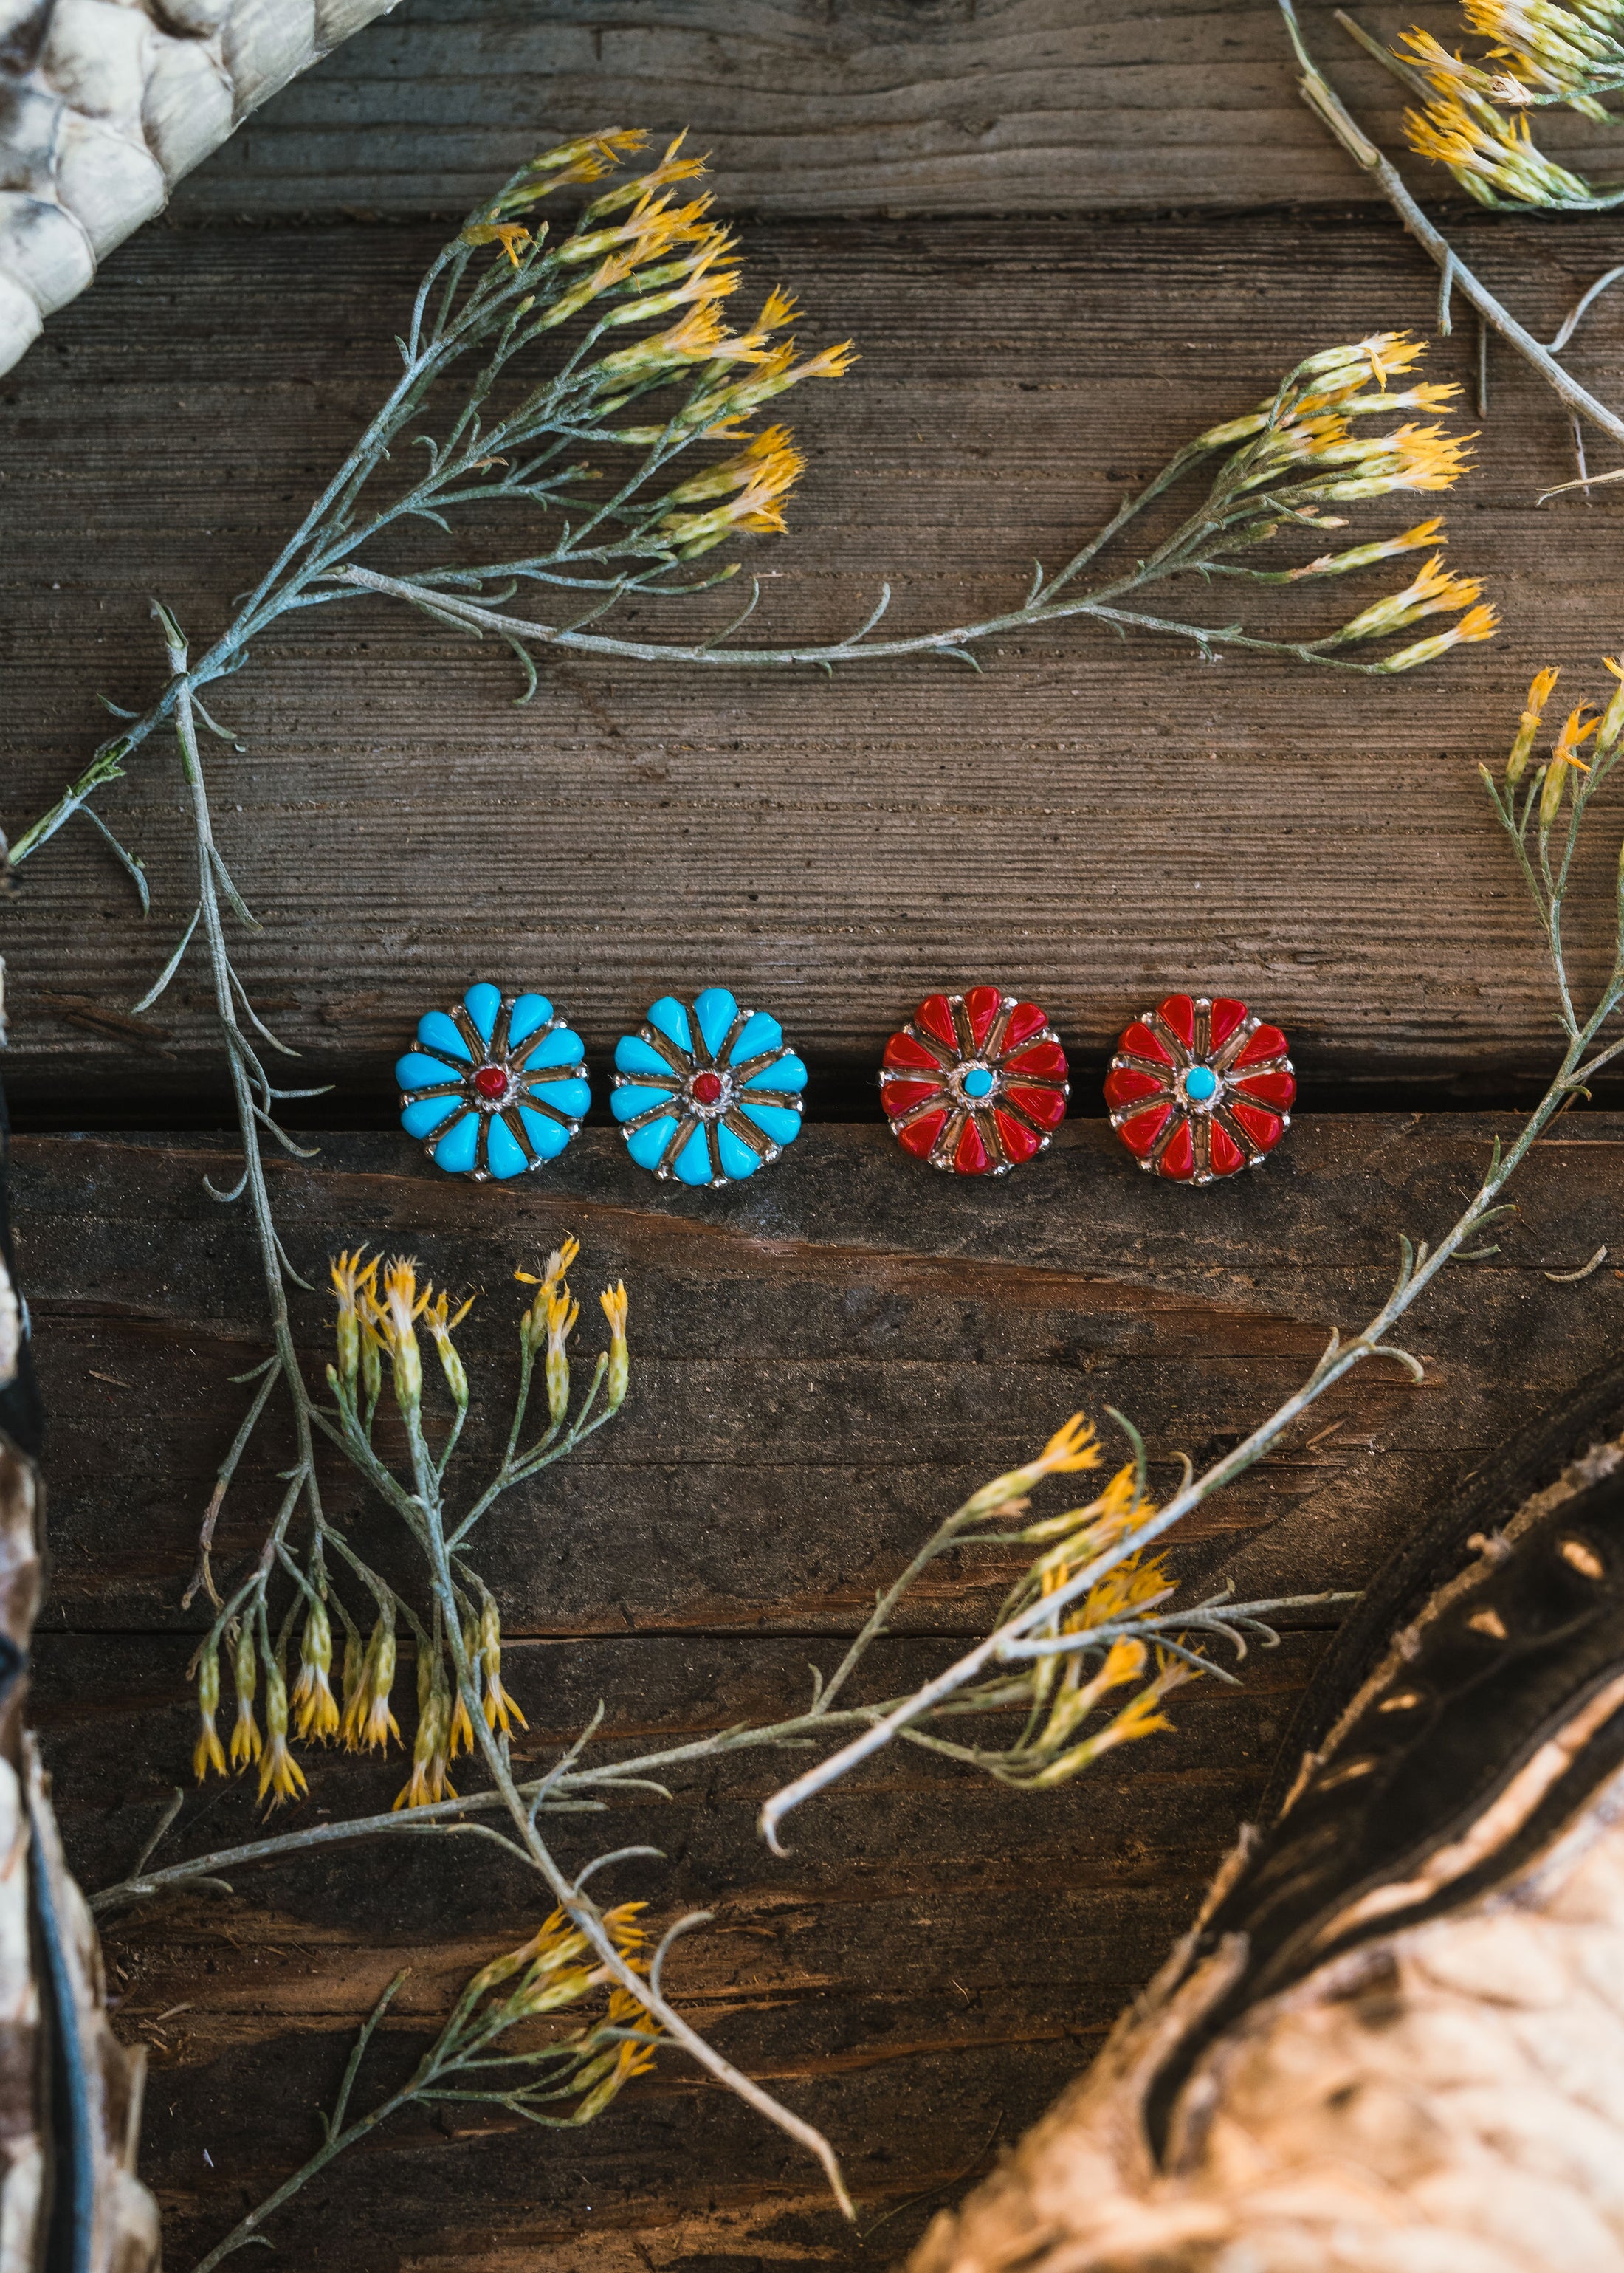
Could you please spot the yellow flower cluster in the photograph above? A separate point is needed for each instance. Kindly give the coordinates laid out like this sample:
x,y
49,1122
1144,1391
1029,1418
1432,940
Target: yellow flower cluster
x,y
1558,55
551,1318
1492,157
1585,724
370,1326
381,1308
431,1748
559,1968
1053,1755
1308,448
650,257
1546,53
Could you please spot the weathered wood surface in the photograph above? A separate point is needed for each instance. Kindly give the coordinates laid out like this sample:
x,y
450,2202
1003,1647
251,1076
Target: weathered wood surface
x,y
869,107
1090,821
823,1363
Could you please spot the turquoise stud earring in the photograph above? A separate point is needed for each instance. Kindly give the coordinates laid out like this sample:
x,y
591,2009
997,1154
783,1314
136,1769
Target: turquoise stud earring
x,y
493,1086
708,1094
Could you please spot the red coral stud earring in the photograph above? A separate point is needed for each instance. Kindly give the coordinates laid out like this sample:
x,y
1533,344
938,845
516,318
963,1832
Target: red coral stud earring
x,y
1200,1089
975,1083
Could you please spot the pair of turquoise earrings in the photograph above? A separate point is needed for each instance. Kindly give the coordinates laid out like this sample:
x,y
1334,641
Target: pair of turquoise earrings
x,y
708,1094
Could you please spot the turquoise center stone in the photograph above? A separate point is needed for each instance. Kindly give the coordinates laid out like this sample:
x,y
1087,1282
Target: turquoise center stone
x,y
978,1082
1199,1083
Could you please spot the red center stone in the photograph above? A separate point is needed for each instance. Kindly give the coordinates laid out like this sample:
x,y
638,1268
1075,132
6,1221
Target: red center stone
x,y
706,1088
490,1081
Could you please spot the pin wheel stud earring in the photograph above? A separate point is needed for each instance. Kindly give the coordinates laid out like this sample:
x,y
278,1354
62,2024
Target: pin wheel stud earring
x,y
493,1086
706,1092
975,1083
1200,1089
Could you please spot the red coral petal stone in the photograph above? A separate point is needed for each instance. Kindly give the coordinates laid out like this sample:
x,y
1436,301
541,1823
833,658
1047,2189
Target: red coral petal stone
x,y
1046,1107
1264,1128
1043,1058
490,1082
935,1015
1267,1042
1276,1089
1018,1141
902,1050
1141,1133
981,1005
971,1155
1125,1084
1227,1155
1025,1020
920,1135
1139,1042
1227,1014
899,1097
1178,1160
1178,1014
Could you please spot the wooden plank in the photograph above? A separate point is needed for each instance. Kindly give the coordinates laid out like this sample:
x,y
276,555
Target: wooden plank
x,y
1005,106
933,1330
824,1363
1089,821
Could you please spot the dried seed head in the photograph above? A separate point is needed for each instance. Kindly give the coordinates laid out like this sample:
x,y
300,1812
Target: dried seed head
x,y
614,1300
208,1753
316,1711
246,1743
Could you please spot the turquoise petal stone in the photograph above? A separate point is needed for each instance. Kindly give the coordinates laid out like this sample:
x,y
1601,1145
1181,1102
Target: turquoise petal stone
x,y
787,1073
738,1160
546,1136
633,1055
563,1047
759,1033
528,1012
569,1097
625,1103
457,1150
435,1031
482,1003
504,1154
773,1121
428,1113
648,1145
672,1021
693,1163
414,1072
715,1011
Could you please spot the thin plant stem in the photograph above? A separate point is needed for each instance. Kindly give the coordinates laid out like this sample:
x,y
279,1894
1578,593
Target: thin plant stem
x,y
952,643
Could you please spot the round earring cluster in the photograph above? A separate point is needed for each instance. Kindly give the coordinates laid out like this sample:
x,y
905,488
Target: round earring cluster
x,y
708,1094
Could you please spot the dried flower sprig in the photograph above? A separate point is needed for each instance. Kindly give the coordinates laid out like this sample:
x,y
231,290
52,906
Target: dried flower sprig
x,y
471,2060
1275,470
1059,1611
384,1313
574,375
1489,152
1126,1615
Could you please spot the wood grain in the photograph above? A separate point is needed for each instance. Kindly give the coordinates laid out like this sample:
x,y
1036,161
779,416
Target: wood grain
x,y
1089,821
823,1363
866,107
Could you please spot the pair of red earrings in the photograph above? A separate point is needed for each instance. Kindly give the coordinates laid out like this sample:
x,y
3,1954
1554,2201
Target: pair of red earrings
x,y
1198,1089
